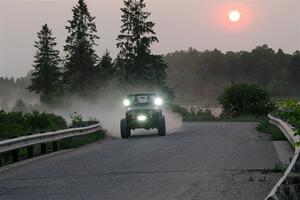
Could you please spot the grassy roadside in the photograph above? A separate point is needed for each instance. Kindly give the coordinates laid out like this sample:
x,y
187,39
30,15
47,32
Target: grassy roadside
x,y
78,141
263,125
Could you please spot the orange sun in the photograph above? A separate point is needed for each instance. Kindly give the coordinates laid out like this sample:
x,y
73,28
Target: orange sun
x,y
234,16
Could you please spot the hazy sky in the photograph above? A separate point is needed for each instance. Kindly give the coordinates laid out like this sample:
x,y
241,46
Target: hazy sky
x,y
180,24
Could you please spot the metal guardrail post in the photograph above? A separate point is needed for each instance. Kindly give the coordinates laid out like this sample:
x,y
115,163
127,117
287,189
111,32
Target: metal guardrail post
x,y
30,152
14,145
15,155
43,148
296,167
54,146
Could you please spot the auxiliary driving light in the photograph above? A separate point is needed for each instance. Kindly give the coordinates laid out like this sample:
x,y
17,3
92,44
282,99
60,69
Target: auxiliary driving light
x,y
126,102
158,101
141,118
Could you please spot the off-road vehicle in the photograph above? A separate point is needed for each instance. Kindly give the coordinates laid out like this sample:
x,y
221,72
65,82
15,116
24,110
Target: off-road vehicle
x,y
143,110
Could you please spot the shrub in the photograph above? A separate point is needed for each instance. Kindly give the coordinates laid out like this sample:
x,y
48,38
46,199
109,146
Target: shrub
x,y
77,121
290,112
15,124
241,99
193,115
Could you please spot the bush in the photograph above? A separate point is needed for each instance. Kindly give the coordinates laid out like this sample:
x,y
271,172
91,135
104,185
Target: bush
x,y
77,121
15,124
290,112
244,99
193,115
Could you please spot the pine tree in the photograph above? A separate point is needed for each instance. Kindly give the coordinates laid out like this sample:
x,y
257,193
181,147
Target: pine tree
x,y
135,62
107,67
81,72
45,78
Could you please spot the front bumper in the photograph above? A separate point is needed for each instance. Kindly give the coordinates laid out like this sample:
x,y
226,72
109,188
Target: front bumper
x,y
135,119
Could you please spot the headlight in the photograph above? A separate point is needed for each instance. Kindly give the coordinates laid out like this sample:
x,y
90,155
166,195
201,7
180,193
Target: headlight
x,y
126,102
158,101
141,118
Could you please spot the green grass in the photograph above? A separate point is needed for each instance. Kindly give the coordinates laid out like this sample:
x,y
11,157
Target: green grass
x,y
246,118
284,98
275,169
79,141
265,127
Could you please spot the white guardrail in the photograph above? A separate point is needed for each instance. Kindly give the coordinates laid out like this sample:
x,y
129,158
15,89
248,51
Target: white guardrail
x,y
289,134
25,141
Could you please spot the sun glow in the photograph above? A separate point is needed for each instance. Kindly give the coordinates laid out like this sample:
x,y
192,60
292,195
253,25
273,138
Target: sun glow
x,y
234,16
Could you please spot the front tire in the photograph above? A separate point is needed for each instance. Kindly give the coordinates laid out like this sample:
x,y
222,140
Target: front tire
x,y
161,126
125,130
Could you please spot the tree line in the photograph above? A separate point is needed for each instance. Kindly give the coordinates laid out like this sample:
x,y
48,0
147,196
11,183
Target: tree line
x,y
203,75
82,71
194,75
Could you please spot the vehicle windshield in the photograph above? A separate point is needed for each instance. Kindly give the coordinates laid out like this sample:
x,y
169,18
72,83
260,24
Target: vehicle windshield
x,y
141,99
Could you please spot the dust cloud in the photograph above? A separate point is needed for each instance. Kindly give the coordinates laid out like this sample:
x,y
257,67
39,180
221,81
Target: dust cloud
x,y
109,110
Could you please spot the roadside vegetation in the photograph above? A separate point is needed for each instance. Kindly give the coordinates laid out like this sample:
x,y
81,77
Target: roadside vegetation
x,y
241,103
289,111
192,115
78,141
265,127
15,124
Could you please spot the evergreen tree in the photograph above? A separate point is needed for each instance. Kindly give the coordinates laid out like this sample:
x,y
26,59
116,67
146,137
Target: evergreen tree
x,y
81,71
20,106
45,78
135,62
294,71
107,67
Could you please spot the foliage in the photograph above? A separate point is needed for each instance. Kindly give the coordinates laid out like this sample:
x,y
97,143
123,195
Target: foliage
x,y
193,115
77,121
78,141
135,63
225,117
210,71
15,124
290,112
20,106
294,70
106,66
245,99
45,78
275,169
81,72
265,127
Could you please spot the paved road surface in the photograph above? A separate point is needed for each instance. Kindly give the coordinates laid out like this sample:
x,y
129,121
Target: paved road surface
x,y
203,161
